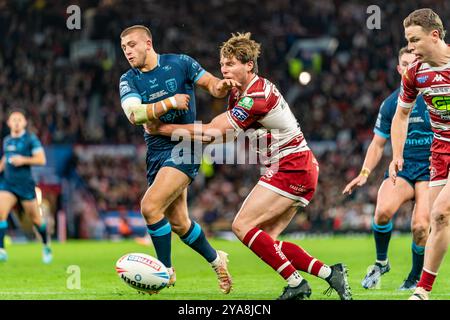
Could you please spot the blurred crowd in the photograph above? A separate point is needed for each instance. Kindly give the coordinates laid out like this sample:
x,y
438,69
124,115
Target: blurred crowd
x,y
73,99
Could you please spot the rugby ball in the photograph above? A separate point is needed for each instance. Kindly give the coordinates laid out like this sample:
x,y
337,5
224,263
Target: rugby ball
x,y
142,272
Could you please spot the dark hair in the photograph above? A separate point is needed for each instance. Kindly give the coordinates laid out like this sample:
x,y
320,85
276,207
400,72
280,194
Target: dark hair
x,y
19,110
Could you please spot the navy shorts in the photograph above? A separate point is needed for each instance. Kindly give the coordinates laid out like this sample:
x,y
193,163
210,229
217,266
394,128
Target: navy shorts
x,y
413,171
187,162
24,191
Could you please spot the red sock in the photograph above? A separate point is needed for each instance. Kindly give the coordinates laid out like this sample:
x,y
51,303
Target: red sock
x,y
426,280
264,247
300,259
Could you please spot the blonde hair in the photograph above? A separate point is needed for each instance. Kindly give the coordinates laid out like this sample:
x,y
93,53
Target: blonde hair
x,y
427,19
242,48
136,27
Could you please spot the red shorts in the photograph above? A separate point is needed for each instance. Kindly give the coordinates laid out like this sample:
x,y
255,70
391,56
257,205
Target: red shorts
x,y
294,176
440,165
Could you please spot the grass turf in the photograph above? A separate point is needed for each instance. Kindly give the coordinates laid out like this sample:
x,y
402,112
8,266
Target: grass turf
x,y
25,277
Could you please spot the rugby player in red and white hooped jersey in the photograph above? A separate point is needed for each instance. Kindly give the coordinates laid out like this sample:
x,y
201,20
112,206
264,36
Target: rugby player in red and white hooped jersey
x,y
291,176
430,76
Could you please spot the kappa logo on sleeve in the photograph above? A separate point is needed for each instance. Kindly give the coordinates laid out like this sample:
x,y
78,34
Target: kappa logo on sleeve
x,y
239,114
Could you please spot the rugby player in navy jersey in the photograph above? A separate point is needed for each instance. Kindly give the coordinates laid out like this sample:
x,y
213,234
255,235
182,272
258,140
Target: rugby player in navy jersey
x,y
21,150
161,87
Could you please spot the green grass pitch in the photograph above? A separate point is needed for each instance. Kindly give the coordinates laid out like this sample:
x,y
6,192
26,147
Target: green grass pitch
x,y
25,277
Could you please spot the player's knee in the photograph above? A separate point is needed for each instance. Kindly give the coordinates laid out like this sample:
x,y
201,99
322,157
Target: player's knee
x,y
420,231
150,208
238,228
383,216
440,218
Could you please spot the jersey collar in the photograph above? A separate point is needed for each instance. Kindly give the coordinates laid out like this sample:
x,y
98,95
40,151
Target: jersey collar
x,y
255,78
157,65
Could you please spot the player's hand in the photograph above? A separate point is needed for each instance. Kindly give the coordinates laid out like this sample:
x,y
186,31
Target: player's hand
x,y
226,84
182,101
152,127
17,160
357,182
395,166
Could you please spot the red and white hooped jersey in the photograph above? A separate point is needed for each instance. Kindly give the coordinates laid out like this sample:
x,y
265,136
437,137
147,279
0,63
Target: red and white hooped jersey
x,y
434,85
261,107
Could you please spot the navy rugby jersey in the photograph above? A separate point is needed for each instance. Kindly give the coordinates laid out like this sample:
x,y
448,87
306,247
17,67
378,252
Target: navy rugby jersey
x,y
173,74
420,136
25,145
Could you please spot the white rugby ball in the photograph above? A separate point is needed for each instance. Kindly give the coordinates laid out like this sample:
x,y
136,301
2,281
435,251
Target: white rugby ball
x,y
142,272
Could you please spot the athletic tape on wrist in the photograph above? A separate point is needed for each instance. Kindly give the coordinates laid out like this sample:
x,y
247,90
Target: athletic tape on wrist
x,y
174,102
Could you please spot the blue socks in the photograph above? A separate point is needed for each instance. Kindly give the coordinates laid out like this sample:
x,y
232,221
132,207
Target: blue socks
x,y
417,261
3,228
196,239
42,229
382,235
161,235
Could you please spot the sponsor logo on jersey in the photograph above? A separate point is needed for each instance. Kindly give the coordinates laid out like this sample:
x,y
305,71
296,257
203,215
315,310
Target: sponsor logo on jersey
x,y
438,77
167,68
157,95
124,87
195,65
246,103
422,79
239,114
441,102
415,120
171,85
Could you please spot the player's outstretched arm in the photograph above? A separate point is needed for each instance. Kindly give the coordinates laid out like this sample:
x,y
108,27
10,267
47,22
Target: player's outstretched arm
x,y
399,132
139,113
373,156
37,159
216,87
215,131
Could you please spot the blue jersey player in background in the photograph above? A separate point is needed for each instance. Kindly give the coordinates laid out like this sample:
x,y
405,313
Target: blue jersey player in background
x,y
160,87
412,185
21,150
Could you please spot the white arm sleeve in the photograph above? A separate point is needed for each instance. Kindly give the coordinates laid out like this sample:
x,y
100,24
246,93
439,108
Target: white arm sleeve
x,y
134,105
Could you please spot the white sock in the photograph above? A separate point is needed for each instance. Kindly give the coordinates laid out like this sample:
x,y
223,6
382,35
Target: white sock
x,y
324,272
382,262
216,261
170,271
295,279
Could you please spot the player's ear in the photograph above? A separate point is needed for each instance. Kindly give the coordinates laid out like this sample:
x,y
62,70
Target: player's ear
x,y
399,70
249,66
435,35
149,43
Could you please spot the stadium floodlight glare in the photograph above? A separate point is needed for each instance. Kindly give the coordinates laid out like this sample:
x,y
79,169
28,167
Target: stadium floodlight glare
x,y
304,78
